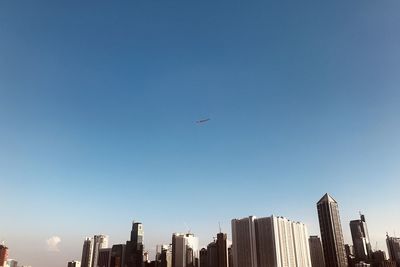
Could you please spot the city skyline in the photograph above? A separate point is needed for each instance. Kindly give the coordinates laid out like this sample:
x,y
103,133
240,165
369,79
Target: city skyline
x,y
184,114
300,253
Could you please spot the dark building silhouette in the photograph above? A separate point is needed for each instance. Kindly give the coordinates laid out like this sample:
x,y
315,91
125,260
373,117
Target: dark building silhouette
x,y
316,252
361,241
134,247
104,257
3,254
217,252
393,245
212,255
118,255
331,232
203,258
222,247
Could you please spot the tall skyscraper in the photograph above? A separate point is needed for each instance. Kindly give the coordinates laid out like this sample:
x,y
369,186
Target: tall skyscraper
x,y
87,253
222,247
74,264
361,243
3,254
134,247
316,252
244,242
393,245
331,232
185,250
99,242
212,254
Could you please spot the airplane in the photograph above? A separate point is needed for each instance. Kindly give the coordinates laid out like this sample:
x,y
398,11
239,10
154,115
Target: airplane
x,y
202,121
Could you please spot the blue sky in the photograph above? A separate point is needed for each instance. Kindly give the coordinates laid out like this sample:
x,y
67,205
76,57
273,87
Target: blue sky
x,y
98,103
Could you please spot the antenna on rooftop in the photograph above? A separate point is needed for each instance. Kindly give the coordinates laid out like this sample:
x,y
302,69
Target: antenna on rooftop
x,y
219,225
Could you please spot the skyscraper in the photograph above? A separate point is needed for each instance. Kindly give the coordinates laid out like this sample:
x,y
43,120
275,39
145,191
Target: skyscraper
x,y
331,232
185,250
244,242
99,242
316,252
212,255
361,242
281,242
87,253
222,247
3,254
393,245
134,247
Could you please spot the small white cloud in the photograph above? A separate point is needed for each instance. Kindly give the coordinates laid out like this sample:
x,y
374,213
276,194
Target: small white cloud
x,y
52,243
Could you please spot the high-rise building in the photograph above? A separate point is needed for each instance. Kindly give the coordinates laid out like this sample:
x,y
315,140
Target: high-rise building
x,y
99,242
185,250
118,255
74,264
203,258
212,254
270,242
281,242
244,242
87,253
3,254
217,252
316,252
361,242
104,257
134,247
165,256
393,245
331,232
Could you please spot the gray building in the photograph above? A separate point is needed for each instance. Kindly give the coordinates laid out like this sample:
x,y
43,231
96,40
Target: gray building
x,y
185,250
393,245
316,252
87,253
244,242
331,232
361,241
99,242
134,250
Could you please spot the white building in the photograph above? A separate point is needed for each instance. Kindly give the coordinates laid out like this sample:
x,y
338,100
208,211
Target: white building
x,y
185,250
99,242
270,242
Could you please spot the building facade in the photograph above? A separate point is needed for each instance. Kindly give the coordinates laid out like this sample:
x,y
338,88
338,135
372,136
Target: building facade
x,y
331,232
361,242
185,250
316,252
393,245
87,253
244,242
99,242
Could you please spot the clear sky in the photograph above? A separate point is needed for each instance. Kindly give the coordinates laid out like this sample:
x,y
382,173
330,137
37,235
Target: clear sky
x,y
98,103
